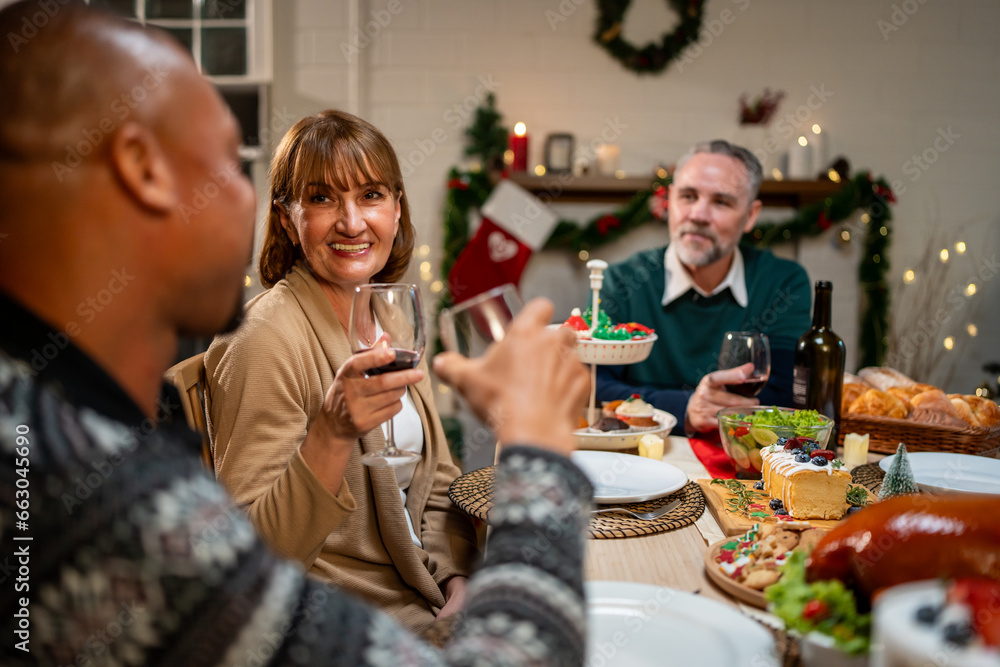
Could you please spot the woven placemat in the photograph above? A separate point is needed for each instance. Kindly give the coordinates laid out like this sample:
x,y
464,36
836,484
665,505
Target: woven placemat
x,y
473,493
869,476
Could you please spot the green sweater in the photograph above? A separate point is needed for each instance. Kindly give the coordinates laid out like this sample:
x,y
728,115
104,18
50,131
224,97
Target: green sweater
x,y
690,328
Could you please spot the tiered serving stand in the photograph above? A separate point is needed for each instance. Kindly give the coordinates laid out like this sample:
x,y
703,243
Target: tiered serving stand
x,y
596,352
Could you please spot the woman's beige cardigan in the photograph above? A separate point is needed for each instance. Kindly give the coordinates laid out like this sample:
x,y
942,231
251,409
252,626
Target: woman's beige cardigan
x,y
266,383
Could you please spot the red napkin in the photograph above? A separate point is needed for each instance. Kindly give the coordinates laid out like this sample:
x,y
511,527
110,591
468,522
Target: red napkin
x,y
713,457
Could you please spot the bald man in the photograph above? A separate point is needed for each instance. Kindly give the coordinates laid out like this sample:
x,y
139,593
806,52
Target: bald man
x,y
126,223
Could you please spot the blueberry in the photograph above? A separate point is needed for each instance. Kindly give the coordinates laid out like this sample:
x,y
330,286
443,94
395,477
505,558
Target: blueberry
x,y
775,503
819,461
959,634
802,458
759,485
852,510
781,441
781,512
796,451
928,613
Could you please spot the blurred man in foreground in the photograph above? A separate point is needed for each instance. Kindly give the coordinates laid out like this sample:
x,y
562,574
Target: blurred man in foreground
x,y
127,223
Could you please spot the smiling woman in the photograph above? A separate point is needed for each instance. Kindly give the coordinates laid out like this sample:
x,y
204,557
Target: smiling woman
x,y
292,409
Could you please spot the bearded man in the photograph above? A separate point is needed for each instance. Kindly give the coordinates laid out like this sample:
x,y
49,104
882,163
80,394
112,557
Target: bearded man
x,y
703,284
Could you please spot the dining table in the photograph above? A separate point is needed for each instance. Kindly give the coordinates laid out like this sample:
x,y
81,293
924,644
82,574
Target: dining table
x,y
675,558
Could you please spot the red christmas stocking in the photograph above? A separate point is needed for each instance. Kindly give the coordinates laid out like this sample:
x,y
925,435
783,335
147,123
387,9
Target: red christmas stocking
x,y
492,258
515,224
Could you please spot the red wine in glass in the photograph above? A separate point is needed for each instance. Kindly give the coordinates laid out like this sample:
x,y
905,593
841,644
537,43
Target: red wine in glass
x,y
746,347
405,359
749,387
397,307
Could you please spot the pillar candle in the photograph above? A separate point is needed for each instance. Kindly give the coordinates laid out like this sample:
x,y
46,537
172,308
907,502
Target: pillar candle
x,y
519,147
607,159
800,159
818,141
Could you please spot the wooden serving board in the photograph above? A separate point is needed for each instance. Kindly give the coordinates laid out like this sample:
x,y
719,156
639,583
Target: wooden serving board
x,y
717,496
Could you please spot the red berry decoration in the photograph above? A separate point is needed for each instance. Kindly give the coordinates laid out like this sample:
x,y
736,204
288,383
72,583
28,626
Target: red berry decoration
x,y
825,453
815,609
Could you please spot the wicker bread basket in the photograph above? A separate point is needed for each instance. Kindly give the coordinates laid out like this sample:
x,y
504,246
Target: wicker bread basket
x,y
886,433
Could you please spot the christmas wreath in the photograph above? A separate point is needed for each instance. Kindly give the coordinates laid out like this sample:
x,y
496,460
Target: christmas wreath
x,y
653,57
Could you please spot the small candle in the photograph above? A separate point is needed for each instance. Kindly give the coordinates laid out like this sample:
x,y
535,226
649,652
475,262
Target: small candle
x,y
607,159
800,159
855,450
519,148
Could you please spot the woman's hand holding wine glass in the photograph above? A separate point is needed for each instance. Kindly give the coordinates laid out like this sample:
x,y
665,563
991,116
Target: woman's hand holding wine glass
x,y
396,308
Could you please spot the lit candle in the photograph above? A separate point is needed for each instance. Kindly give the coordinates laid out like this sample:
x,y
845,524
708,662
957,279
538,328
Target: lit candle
x,y
607,159
817,139
855,450
800,159
519,148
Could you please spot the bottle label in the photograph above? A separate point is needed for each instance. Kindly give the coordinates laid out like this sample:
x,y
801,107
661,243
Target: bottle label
x,y
800,382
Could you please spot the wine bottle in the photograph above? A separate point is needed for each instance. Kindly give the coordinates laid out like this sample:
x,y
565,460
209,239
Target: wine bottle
x,y
818,378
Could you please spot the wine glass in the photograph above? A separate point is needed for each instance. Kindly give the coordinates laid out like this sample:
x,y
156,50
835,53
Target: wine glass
x,y
388,315
742,347
469,327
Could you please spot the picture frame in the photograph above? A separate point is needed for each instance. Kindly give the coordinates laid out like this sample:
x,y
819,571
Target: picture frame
x,y
559,152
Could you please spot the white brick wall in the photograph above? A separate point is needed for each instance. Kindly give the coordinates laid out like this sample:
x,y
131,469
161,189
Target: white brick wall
x,y
891,95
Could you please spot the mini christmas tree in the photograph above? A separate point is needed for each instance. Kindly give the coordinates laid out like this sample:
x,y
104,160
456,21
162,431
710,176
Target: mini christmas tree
x,y
899,480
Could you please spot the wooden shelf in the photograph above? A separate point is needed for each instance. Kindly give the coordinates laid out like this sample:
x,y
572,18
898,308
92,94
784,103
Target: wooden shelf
x,y
566,188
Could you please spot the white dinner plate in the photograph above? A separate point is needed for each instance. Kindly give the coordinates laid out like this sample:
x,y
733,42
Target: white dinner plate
x,y
941,472
625,478
640,625
610,442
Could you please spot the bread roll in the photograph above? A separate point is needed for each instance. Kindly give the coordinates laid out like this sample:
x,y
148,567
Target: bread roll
x,y
963,409
906,393
935,400
850,394
877,403
851,378
883,377
985,410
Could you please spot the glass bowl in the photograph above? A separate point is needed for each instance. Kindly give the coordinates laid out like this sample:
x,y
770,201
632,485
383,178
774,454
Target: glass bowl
x,y
742,441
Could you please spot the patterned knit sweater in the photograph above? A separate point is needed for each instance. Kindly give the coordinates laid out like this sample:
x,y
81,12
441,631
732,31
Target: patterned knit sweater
x,y
119,549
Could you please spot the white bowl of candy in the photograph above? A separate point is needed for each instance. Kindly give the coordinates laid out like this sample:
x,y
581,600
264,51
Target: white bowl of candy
x,y
613,352
611,344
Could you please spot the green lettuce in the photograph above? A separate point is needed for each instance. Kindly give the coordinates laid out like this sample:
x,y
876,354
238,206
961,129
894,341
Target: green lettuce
x,y
826,607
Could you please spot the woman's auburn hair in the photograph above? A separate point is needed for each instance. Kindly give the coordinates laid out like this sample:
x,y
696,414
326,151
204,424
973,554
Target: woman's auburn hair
x,y
341,149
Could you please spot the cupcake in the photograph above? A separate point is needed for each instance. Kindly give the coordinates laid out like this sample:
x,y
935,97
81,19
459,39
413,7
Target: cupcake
x,y
636,412
609,408
610,425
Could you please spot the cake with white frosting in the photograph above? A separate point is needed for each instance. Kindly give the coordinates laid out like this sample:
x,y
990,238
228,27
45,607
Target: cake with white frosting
x,y
809,483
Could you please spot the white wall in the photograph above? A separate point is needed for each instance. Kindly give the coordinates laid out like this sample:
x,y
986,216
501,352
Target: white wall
x,y
891,94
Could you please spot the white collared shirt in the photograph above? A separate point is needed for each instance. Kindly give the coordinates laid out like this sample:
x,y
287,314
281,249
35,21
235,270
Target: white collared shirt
x,y
678,280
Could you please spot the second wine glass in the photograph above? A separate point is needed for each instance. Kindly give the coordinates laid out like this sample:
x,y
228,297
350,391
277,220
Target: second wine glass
x,y
471,326
742,347
388,315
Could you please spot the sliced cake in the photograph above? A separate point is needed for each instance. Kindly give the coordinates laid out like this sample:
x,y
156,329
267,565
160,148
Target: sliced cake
x,y
809,484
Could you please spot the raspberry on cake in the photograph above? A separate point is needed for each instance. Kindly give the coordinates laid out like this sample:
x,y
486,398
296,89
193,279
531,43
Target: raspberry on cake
x,y
809,487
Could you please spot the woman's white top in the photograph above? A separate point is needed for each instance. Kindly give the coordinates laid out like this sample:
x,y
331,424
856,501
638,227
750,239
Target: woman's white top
x,y
409,435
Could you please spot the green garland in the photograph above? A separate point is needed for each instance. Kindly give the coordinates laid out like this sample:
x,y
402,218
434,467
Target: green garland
x,y
468,190
652,58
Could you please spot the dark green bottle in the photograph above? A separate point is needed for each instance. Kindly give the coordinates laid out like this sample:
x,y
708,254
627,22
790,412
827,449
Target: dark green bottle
x,y
818,379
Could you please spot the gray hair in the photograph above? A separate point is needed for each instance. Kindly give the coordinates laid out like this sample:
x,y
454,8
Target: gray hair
x,y
755,173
